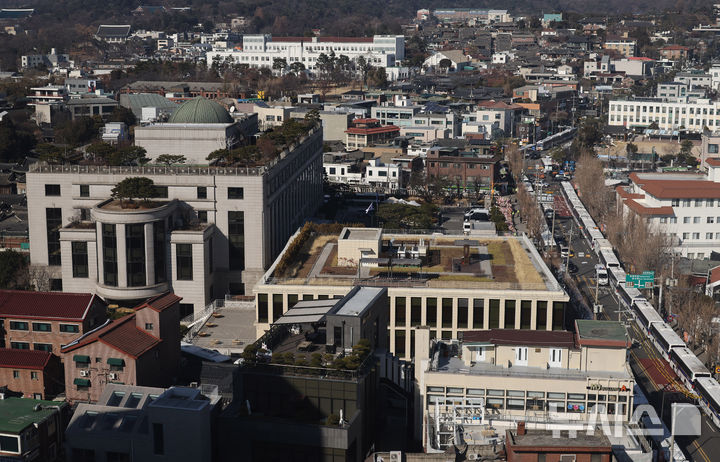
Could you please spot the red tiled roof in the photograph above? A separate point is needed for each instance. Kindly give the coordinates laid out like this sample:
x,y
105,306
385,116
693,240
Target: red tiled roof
x,y
649,211
640,58
520,337
121,334
713,161
373,130
678,189
492,104
160,302
45,305
714,275
24,359
675,47
625,194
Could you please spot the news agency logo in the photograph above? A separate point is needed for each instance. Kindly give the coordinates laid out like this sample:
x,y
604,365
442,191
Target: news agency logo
x,y
686,420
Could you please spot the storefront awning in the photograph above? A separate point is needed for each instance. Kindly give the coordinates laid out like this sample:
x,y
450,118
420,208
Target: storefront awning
x,y
82,382
81,358
116,362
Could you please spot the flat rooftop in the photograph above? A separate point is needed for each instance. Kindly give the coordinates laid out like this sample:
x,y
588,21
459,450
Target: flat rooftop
x,y
501,263
360,301
548,438
601,330
363,234
228,330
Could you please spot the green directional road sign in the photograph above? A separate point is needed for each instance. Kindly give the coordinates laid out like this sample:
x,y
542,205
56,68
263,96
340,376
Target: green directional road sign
x,y
641,281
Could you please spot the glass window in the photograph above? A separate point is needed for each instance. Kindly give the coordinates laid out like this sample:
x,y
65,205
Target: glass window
x,y
494,314
42,347
52,189
184,263
235,193
109,242
525,314
262,307
42,327
69,328
159,251
400,315
478,313
135,254
447,312
509,314
400,343
476,391
202,192
18,325
431,309
462,313
79,259
558,315
20,345
84,190
53,221
415,311
277,306
236,240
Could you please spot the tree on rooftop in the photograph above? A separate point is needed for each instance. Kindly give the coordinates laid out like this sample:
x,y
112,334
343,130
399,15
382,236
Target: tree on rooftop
x,y
128,155
134,188
122,114
221,155
171,159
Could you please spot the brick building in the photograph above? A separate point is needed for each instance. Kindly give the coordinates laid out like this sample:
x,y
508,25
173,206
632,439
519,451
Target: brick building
x,y
47,320
369,132
35,374
142,348
464,166
524,445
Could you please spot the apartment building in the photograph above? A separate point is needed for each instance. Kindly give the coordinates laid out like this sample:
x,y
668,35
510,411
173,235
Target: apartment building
x,y
33,374
141,348
129,422
45,321
449,284
686,207
213,230
625,46
696,78
668,114
260,50
499,376
388,176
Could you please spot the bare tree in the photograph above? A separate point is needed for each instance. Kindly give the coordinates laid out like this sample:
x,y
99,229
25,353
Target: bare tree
x,y
39,278
516,161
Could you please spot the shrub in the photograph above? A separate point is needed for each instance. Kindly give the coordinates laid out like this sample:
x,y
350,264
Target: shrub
x,y
333,420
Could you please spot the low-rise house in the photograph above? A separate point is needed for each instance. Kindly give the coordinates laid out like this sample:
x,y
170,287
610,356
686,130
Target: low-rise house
x,y
113,33
47,320
142,348
469,168
368,132
31,429
388,176
457,60
34,374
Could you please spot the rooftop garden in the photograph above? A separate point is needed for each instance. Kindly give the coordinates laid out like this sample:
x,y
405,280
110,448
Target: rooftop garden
x,y
268,146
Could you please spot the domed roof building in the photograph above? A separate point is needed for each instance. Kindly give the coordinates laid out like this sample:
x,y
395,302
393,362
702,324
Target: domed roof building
x,y
197,127
200,111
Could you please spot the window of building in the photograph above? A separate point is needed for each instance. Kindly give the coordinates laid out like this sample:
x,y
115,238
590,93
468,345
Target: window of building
x,y
84,190
148,326
52,189
710,203
686,220
79,259
34,375
183,261
236,193
478,313
462,313
447,312
109,247
19,325
698,202
236,240
16,374
686,235
400,335
686,202
431,312
509,314
135,254
158,439
400,318
69,328
202,192
43,347
710,220
20,345
696,235
415,311
696,220
202,216
494,314
159,251
42,327
53,221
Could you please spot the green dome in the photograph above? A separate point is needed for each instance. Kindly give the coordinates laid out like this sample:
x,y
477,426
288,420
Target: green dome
x,y
200,111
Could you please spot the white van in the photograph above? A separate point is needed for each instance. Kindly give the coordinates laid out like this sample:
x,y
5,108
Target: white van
x,y
602,275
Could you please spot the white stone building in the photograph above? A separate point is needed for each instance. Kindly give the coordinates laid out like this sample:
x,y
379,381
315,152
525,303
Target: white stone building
x,y
686,207
219,228
378,173
672,114
261,50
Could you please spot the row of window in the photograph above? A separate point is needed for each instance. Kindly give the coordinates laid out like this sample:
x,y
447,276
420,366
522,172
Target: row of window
x,y
43,327
535,404
36,346
33,375
694,203
688,220
696,236
232,192
455,165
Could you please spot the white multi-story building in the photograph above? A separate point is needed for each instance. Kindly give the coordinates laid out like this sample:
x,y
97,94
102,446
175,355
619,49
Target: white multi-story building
x,y
686,207
210,231
386,175
693,116
261,50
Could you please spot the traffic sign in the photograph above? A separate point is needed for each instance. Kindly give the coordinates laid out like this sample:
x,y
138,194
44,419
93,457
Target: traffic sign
x,y
641,281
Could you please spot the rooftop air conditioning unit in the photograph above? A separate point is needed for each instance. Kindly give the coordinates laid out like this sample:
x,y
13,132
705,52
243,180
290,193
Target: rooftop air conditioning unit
x,y
395,456
84,373
113,376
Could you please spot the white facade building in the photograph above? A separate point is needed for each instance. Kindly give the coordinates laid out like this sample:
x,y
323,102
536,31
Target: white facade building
x,y
686,207
386,175
220,228
694,116
261,50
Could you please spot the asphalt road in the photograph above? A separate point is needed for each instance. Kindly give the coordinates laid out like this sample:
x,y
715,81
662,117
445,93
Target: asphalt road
x,y
652,372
